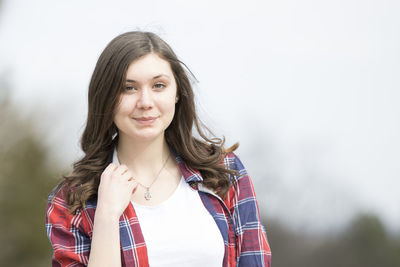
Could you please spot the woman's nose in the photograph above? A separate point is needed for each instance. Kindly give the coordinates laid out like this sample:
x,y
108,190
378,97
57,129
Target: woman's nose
x,y
145,100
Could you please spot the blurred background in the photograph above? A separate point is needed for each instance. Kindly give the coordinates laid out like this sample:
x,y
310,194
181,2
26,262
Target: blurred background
x,y
310,89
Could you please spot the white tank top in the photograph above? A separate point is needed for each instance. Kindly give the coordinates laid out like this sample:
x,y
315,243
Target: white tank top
x,y
180,231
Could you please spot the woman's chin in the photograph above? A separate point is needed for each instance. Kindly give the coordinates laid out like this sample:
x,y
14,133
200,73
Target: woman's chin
x,y
147,137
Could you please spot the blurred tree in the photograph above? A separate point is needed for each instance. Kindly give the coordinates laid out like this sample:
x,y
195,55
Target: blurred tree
x,y
26,178
364,243
370,244
293,249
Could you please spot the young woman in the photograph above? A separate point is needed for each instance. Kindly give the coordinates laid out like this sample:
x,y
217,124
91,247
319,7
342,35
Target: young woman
x,y
147,192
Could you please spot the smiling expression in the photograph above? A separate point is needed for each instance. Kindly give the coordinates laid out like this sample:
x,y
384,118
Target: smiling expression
x,y
147,103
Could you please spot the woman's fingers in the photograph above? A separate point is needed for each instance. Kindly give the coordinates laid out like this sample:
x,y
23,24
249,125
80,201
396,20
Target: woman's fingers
x,y
134,189
121,170
116,187
110,169
133,184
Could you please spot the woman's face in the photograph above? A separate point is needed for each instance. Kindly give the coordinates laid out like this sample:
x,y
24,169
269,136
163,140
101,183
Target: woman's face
x,y
147,104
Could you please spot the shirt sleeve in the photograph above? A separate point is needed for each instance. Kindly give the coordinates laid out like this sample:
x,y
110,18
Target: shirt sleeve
x,y
71,246
253,249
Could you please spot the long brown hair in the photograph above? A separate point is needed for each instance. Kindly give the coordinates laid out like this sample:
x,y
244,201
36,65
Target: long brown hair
x,y
99,136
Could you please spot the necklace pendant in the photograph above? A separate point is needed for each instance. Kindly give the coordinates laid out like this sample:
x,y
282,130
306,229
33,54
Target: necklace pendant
x,y
147,195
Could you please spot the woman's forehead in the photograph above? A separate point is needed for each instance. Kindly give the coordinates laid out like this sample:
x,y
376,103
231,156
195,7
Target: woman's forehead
x,y
149,67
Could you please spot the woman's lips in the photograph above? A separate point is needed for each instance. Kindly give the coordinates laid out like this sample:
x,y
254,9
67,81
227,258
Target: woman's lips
x,y
145,120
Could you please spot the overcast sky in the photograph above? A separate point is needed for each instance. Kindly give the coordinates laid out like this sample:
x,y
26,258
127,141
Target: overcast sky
x,y
311,89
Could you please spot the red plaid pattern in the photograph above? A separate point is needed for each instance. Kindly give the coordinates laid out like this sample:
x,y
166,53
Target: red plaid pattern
x,y
237,218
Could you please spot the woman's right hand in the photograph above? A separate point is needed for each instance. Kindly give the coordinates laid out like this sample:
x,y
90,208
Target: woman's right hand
x,y
115,190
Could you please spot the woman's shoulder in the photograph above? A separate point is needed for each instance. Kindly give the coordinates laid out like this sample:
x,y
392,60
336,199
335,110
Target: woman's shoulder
x,y
58,195
232,161
58,210
58,198
241,189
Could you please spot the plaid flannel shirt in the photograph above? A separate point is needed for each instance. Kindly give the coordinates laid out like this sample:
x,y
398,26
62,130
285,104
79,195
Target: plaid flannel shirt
x,y
237,217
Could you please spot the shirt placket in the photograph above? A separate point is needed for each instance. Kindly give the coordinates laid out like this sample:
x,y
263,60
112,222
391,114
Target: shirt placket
x,y
230,237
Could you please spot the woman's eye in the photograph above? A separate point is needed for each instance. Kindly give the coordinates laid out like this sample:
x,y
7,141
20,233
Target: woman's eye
x,y
129,88
159,86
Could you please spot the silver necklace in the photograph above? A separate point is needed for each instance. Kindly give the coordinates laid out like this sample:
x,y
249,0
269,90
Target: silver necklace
x,y
147,194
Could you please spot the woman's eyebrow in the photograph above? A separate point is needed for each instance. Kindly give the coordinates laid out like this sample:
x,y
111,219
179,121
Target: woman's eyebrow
x,y
155,77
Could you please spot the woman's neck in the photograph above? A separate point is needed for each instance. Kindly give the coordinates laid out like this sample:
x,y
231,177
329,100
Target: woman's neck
x,y
143,158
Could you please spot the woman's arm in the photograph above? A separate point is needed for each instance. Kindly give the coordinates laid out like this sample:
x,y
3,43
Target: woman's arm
x,y
252,243
68,234
105,248
71,243
115,190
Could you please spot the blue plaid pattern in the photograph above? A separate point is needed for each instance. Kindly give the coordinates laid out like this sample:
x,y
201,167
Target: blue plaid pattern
x,y
237,217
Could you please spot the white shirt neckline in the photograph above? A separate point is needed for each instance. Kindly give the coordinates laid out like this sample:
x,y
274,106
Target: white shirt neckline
x,y
163,203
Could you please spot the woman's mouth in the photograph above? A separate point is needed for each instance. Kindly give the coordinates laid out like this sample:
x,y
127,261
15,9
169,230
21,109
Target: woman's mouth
x,y
145,120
